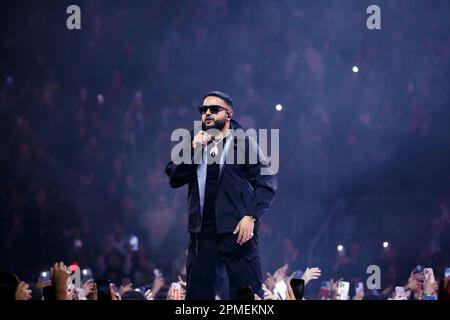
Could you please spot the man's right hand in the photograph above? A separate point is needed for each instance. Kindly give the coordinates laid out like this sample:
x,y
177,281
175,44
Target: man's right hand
x,y
201,138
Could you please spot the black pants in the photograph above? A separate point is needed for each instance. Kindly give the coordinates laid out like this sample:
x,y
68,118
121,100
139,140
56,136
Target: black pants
x,y
205,255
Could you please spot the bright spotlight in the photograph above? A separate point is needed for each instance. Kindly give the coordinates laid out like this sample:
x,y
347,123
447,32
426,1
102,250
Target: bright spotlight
x,y
100,98
355,69
279,107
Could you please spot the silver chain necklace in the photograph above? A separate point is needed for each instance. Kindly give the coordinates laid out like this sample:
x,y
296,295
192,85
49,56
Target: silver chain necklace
x,y
214,150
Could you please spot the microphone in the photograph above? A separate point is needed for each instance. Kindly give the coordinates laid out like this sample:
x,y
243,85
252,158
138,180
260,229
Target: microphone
x,y
201,138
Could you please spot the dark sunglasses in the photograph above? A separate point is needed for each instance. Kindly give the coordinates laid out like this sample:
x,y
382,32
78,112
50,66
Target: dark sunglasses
x,y
214,109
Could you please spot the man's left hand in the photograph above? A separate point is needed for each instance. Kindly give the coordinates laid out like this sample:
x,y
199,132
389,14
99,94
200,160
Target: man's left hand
x,y
244,229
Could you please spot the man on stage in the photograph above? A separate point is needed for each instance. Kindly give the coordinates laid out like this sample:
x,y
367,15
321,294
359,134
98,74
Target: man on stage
x,y
226,200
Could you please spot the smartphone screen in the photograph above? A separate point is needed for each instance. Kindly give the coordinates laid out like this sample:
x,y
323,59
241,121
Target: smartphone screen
x,y
176,291
447,272
343,289
157,273
134,243
429,274
400,291
281,289
44,276
298,287
297,274
87,275
144,289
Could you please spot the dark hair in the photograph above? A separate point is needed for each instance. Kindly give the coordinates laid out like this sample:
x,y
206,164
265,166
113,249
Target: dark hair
x,y
222,95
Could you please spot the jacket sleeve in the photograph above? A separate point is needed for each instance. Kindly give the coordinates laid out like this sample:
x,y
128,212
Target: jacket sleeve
x,y
181,174
264,186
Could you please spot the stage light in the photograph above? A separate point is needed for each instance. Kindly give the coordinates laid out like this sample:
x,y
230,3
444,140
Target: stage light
x,y
355,69
9,80
100,99
279,107
73,267
385,244
340,248
85,272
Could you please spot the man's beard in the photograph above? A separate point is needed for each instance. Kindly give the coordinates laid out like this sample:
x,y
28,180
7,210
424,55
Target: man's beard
x,y
218,124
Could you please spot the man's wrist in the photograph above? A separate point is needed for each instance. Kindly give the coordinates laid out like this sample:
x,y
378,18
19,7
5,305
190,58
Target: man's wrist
x,y
251,217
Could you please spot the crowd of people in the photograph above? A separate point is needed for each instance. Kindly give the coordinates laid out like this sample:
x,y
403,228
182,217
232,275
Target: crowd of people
x,y
86,134
59,284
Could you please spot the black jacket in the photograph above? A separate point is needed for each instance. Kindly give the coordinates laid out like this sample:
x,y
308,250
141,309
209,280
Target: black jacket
x,y
242,190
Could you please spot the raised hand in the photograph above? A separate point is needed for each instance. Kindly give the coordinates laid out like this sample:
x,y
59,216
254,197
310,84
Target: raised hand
x,y
270,281
311,274
148,294
181,282
113,294
125,288
158,283
430,285
201,138
415,281
280,273
88,287
268,294
23,291
60,275
334,289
